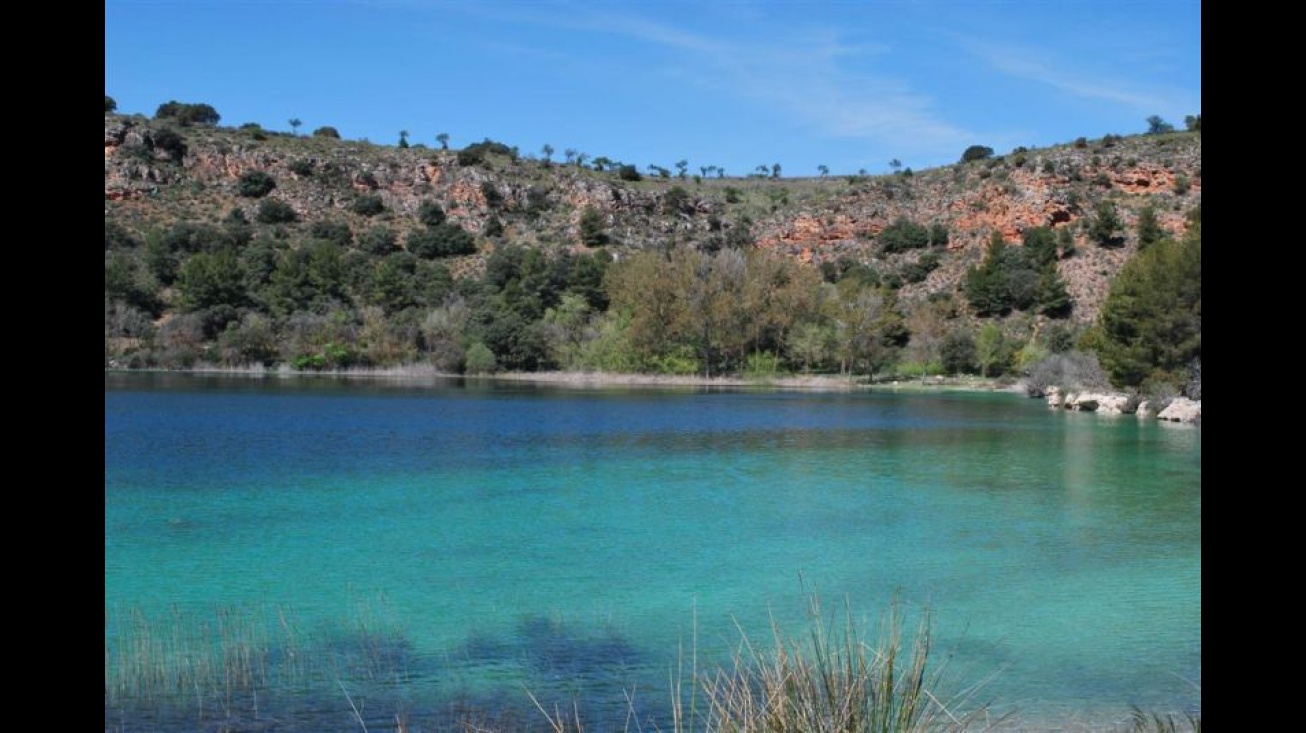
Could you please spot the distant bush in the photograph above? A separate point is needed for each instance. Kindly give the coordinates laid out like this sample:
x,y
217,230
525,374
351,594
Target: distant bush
x,y
301,167
1071,371
170,142
273,211
444,240
592,232
192,237
327,131
110,105
379,240
493,198
336,232
914,272
369,204
116,237
254,130
430,214
1105,225
629,173
255,184
479,359
1158,126
476,153
976,152
903,235
188,114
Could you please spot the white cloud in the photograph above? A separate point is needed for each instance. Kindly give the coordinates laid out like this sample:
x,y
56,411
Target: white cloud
x,y
1138,96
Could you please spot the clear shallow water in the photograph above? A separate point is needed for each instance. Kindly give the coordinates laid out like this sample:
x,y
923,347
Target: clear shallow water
x,y
570,542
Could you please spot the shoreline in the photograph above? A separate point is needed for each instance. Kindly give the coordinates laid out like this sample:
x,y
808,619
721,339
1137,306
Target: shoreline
x,y
600,380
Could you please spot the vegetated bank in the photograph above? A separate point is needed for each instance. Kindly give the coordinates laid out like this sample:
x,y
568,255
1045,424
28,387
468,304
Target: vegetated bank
x,y
244,246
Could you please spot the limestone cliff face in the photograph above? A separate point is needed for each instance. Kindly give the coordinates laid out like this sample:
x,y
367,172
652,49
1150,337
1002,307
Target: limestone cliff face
x,y
150,182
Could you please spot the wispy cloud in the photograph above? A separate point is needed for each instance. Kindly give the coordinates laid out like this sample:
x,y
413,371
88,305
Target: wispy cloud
x,y
816,77
1031,66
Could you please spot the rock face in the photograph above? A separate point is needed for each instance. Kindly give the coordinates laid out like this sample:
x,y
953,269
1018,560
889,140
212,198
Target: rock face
x,y
1182,409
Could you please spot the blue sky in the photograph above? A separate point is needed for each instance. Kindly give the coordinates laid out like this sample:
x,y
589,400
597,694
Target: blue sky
x,y
731,83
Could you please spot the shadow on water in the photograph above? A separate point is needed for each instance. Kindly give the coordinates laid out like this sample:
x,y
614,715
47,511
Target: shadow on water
x,y
355,677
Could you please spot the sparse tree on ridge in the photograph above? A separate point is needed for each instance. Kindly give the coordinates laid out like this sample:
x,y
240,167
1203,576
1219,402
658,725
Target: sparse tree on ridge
x,y
295,122
1157,126
443,139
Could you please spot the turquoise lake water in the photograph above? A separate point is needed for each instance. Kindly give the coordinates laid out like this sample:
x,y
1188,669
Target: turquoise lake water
x,y
445,546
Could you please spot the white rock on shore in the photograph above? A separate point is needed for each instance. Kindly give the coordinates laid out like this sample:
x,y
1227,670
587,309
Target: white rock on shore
x,y
1182,409
1106,403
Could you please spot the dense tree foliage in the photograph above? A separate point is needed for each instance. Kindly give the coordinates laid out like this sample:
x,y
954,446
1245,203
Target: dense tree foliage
x,y
187,114
442,240
1023,279
976,152
1150,326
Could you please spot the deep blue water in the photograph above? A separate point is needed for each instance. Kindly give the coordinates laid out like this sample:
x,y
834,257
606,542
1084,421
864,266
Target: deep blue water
x,y
450,544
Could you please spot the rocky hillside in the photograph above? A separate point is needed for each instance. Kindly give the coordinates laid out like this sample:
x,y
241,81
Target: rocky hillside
x,y
152,180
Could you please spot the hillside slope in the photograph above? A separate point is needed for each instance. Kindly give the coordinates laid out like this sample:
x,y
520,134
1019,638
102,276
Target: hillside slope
x,y
158,176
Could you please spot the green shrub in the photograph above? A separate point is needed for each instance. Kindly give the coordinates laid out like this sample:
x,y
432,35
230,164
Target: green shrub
x,y
976,152
592,232
110,104
255,184
187,114
170,142
369,204
379,240
327,131
478,153
903,235
479,359
274,211
254,130
445,240
331,230
430,214
1105,225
